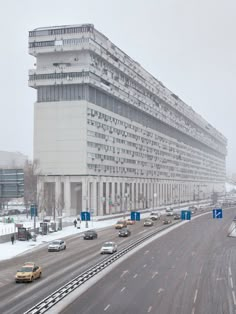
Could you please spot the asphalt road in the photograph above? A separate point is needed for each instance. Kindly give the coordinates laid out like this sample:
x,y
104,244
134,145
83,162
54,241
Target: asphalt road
x,y
191,270
58,267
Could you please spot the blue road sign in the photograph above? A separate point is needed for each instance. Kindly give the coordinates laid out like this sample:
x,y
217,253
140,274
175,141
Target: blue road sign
x,y
185,214
33,210
85,216
135,216
217,213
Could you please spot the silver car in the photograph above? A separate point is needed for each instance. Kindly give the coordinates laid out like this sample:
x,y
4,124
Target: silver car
x,y
108,247
57,245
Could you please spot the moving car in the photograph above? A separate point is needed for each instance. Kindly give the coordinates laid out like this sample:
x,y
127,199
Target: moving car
x,y
120,224
57,245
124,232
166,222
90,234
177,216
28,272
108,247
154,216
170,214
130,222
148,223
169,209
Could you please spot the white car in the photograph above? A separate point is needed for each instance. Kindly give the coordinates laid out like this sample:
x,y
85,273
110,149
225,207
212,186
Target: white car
x,y
57,245
109,247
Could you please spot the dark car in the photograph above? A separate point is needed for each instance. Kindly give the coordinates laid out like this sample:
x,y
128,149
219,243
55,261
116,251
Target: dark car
x,y
177,216
90,235
124,232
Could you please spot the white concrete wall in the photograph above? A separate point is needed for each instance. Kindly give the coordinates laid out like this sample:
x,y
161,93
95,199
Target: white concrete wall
x,y
60,134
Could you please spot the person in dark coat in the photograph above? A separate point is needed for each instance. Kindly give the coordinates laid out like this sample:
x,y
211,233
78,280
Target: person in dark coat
x,y
12,239
75,223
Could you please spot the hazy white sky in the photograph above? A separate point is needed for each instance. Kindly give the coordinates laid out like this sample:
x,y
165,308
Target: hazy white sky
x,y
187,44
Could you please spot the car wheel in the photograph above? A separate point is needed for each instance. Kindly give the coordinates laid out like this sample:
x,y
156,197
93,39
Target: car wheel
x,y
32,279
65,247
40,274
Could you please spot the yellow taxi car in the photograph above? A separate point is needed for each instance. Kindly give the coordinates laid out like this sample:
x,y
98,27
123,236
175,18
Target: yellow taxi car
x,y
28,272
120,224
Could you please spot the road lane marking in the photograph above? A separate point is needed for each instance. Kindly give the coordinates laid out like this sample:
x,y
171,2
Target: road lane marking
x,y
144,265
149,309
154,274
185,275
234,298
122,289
146,252
193,310
142,231
169,253
135,275
230,272
231,282
195,296
201,269
124,272
107,307
160,290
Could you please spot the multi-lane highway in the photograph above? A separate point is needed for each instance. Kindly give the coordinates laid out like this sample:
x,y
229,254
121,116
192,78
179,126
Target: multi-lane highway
x,y
189,270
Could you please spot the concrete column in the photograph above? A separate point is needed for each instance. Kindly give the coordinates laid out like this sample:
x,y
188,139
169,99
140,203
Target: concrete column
x,y
93,197
113,208
101,201
58,197
84,194
118,197
107,199
133,197
67,196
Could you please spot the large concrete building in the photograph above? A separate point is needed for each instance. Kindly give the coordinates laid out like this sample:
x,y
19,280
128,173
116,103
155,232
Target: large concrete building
x,y
108,135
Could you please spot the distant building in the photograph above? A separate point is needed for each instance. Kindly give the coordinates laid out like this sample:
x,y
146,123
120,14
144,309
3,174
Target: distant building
x,y
108,135
12,160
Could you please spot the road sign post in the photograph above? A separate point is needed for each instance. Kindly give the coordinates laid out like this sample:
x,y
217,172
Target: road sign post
x,y
185,214
217,213
135,216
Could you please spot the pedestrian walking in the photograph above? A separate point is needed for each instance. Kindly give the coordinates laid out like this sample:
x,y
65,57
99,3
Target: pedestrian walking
x,y
12,239
75,223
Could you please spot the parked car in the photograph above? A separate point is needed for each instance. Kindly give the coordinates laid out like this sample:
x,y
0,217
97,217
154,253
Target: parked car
x,y
90,235
57,245
124,232
148,223
28,272
108,247
121,224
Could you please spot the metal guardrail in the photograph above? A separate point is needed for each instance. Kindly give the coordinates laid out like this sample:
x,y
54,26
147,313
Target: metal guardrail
x,y
47,303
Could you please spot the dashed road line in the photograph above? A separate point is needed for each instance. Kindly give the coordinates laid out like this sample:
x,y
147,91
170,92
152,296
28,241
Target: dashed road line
x,y
146,252
154,274
193,310
185,275
230,272
122,289
149,309
231,283
142,231
107,307
145,265
234,298
195,296
135,275
201,270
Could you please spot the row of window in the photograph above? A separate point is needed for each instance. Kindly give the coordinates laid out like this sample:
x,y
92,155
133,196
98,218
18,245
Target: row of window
x,y
52,76
61,31
52,43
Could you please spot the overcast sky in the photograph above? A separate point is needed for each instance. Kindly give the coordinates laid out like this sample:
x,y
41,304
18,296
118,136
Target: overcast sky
x,y
187,44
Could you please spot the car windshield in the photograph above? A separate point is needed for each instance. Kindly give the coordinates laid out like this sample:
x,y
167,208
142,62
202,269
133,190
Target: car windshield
x,y
120,222
26,269
108,244
55,242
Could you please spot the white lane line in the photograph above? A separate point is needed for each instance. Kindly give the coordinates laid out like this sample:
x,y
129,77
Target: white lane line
x,y
230,272
142,231
231,283
107,307
234,298
149,309
169,253
201,269
160,290
122,289
195,296
193,310
135,275
154,274
185,275
146,252
145,265
124,272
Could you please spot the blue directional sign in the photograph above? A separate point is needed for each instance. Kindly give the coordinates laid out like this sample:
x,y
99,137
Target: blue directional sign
x,y
85,216
135,216
217,213
185,214
33,210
